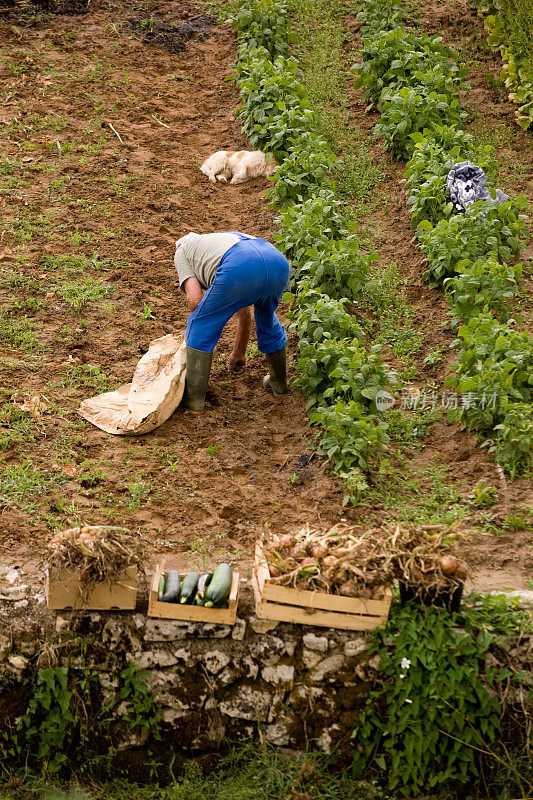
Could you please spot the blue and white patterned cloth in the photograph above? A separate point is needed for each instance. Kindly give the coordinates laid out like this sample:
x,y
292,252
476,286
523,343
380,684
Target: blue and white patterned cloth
x,y
466,184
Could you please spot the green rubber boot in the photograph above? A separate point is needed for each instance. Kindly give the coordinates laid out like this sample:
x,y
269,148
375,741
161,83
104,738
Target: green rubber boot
x,y
277,377
196,379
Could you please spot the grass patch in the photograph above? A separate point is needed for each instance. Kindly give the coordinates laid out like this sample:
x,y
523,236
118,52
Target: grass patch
x,y
138,494
318,35
408,428
86,376
17,281
421,496
24,229
16,426
72,264
252,772
85,290
17,333
22,483
385,298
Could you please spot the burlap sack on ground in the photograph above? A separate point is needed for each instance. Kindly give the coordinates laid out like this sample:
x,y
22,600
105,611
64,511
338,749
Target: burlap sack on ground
x,y
149,400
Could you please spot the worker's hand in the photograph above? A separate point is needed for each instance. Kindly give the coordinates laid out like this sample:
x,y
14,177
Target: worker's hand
x,y
193,292
236,362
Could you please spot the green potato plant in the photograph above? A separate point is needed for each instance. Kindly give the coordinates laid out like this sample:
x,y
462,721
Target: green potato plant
x,y
485,229
481,286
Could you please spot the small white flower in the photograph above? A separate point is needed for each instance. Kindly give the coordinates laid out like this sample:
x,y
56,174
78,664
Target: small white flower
x,y
407,700
402,676
405,663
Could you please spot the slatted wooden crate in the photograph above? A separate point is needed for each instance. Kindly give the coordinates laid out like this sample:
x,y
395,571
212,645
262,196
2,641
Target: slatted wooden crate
x,y
282,604
220,616
64,590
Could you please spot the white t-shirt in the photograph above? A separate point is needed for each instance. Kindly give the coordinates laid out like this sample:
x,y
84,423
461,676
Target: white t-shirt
x,y
200,257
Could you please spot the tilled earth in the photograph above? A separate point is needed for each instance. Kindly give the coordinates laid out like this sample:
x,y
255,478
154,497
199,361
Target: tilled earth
x,y
106,116
204,486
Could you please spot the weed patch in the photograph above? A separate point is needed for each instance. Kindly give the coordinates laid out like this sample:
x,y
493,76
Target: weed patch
x,y
17,333
22,484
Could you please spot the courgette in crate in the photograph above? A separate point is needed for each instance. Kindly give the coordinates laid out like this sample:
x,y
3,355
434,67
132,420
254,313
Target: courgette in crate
x,y
172,588
219,587
188,587
203,583
161,587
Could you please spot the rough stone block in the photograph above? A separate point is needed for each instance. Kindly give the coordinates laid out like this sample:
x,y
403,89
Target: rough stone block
x,y
308,695
355,647
290,646
278,733
310,658
18,662
262,625
238,630
229,674
247,702
153,658
5,646
177,711
367,669
267,649
186,656
251,668
328,738
14,593
279,675
215,660
162,630
314,642
327,667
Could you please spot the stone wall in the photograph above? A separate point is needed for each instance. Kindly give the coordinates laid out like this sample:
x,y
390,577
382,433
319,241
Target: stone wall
x,y
290,685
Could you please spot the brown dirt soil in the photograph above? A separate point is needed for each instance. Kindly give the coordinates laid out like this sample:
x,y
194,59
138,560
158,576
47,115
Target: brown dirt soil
x,y
502,557
201,486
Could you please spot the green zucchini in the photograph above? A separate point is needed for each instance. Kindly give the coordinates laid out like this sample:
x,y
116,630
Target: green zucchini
x,y
219,587
188,588
172,589
161,587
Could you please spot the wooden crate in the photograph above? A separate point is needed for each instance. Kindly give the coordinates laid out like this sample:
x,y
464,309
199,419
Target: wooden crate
x,y
220,616
282,604
63,590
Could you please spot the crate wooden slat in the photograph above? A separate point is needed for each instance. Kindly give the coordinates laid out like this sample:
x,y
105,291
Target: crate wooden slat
x,y
63,590
219,616
283,604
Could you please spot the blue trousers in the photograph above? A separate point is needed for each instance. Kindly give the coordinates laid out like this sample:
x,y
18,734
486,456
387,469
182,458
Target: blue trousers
x,y
252,272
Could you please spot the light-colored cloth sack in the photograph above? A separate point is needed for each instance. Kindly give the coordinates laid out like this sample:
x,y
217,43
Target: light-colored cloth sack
x,y
152,396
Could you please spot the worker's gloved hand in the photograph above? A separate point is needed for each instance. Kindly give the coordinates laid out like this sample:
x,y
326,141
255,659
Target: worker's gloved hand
x,y
236,362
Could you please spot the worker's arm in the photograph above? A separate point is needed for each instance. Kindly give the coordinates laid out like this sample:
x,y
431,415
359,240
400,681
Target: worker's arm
x,y
193,292
237,359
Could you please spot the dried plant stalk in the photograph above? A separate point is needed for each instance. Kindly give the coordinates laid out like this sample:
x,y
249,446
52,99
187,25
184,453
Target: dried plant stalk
x,y
98,553
342,560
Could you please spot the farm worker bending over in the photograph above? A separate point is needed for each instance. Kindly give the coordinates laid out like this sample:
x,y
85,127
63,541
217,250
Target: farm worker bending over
x,y
236,271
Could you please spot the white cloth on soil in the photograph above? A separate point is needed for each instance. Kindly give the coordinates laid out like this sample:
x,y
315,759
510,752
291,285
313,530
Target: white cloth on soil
x,y
466,184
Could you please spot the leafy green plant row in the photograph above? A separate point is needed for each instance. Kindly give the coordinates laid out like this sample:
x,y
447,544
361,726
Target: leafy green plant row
x,y
337,371
414,81
510,27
